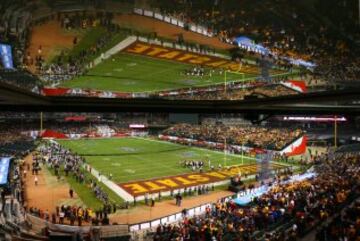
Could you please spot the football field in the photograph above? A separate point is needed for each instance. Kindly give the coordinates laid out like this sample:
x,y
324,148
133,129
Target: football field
x,y
134,159
126,72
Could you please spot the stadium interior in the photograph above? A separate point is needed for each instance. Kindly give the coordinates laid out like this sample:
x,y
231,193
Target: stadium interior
x,y
179,120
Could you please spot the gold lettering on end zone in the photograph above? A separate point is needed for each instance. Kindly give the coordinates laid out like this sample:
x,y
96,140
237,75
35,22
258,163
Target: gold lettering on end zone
x,y
184,181
154,187
170,55
135,188
156,51
188,180
161,52
217,63
198,178
186,57
168,182
138,48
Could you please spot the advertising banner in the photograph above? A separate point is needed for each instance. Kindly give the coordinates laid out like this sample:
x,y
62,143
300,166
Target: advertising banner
x,y
4,169
174,21
159,16
6,56
167,19
148,13
138,11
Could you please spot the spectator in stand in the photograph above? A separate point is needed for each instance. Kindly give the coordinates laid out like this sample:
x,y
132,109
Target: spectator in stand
x,y
68,67
235,92
304,203
296,35
252,136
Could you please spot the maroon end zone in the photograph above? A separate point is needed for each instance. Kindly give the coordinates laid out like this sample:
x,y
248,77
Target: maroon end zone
x,y
183,56
156,185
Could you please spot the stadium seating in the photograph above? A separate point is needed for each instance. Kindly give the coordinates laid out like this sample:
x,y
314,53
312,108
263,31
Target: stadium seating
x,y
252,136
15,22
294,34
286,212
20,79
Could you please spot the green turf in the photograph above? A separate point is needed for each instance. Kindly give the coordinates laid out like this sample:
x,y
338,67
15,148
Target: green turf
x,y
90,38
130,159
133,73
84,192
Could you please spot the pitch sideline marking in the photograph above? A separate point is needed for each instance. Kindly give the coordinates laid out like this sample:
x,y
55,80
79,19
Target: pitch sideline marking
x,y
218,152
111,185
124,194
198,148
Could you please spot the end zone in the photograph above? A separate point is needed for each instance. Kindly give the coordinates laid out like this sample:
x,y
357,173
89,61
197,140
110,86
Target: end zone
x,y
175,183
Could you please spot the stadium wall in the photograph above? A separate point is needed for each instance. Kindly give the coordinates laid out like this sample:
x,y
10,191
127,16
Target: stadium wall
x,y
297,147
60,135
38,225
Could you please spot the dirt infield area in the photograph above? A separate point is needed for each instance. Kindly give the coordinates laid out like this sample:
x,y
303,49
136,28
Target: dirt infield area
x,y
49,192
166,30
52,38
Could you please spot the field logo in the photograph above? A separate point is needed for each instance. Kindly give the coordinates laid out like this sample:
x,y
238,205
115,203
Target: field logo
x,y
161,52
188,180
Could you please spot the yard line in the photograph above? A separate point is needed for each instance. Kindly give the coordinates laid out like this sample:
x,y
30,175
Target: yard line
x,y
195,147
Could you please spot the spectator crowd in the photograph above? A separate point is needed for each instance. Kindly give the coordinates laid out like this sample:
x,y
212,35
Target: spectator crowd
x,y
67,66
287,29
14,143
236,92
286,212
252,136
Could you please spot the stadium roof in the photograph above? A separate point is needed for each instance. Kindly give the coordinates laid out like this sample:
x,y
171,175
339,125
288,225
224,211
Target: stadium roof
x,y
327,102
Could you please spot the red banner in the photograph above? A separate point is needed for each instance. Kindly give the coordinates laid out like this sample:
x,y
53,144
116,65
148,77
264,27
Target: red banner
x,y
75,118
55,91
84,92
53,134
297,85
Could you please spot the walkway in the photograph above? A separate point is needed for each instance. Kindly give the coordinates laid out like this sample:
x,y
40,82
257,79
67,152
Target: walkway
x,y
164,208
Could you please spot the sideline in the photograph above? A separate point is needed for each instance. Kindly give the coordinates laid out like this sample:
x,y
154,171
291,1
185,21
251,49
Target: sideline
x,y
114,50
110,184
